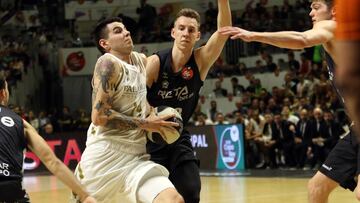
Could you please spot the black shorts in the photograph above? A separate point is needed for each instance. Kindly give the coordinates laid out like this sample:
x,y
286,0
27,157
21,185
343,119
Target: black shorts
x,y
342,164
12,191
172,155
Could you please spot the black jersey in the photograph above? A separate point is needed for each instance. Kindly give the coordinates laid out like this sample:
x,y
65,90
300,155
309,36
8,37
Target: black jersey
x,y
177,90
331,69
12,145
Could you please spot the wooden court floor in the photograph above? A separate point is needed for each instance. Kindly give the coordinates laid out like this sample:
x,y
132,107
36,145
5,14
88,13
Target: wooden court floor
x,y
47,189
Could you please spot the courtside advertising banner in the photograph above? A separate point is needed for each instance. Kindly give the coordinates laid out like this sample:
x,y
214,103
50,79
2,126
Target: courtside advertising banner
x,y
230,142
219,147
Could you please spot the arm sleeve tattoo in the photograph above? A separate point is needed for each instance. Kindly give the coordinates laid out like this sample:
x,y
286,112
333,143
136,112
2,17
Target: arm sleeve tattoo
x,y
107,82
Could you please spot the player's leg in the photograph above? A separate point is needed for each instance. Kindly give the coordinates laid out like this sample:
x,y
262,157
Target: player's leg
x,y
158,189
348,77
347,52
319,188
12,191
185,176
338,169
184,169
357,189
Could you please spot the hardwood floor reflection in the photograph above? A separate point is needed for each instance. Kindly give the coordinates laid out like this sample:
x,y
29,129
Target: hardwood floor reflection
x,y
44,189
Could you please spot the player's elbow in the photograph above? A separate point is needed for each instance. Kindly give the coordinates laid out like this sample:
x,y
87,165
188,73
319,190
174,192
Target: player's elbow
x,y
98,122
97,119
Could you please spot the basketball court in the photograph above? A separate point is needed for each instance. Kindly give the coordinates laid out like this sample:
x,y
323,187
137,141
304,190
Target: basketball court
x,y
248,188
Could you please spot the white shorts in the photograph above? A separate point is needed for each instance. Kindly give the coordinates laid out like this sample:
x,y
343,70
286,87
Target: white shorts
x,y
111,175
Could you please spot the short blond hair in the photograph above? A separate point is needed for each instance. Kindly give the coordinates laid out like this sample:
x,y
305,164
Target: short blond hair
x,y
190,13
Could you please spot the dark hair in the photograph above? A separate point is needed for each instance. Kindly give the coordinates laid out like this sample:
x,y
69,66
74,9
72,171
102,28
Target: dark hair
x,y
190,13
2,82
100,31
329,3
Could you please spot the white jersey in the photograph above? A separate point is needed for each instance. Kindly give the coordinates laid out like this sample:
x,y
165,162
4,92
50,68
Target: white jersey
x,y
114,167
129,99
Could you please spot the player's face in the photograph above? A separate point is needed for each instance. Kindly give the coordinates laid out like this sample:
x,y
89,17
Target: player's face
x,y
119,39
185,32
320,11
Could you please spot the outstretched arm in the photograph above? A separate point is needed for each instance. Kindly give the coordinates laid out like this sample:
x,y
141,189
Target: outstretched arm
x,y
207,55
38,145
321,33
106,80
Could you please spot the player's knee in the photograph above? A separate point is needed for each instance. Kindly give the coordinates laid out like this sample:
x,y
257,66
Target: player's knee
x,y
357,193
169,195
312,187
178,198
174,197
318,187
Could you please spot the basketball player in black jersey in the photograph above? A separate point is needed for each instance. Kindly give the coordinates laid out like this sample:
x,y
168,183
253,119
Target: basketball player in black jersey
x,y
174,78
342,164
15,136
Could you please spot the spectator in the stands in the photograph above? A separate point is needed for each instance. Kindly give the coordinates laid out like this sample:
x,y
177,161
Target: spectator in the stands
x,y
219,91
305,66
33,120
286,138
213,110
288,116
267,142
273,106
237,89
211,15
66,120
304,134
302,88
293,64
334,128
147,16
48,132
270,65
202,120
220,119
43,119
320,136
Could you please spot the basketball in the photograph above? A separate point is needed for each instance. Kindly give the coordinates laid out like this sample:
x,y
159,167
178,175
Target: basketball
x,y
171,134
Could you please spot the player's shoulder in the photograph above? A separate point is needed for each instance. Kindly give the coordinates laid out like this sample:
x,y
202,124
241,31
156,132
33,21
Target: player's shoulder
x,y
142,56
153,59
108,64
106,57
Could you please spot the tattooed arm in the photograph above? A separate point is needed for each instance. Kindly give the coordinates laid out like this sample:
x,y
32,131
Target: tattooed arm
x,y
107,78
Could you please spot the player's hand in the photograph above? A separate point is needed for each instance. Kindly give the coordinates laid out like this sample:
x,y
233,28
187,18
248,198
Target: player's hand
x,y
236,33
89,199
155,123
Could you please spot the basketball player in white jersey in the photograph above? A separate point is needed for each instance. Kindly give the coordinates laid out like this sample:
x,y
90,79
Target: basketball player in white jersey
x,y
114,166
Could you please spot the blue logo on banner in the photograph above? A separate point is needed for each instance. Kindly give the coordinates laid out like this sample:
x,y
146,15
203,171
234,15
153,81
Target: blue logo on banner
x,y
230,147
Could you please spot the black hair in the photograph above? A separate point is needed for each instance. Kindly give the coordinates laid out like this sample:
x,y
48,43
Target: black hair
x,y
2,82
100,31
